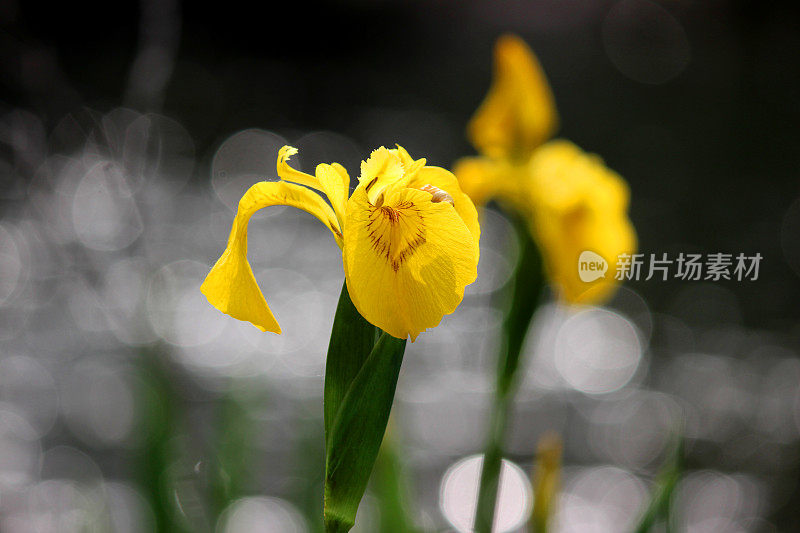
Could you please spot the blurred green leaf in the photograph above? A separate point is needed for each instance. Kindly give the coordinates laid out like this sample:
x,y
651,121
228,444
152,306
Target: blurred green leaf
x,y
390,484
232,455
658,508
308,464
355,435
161,417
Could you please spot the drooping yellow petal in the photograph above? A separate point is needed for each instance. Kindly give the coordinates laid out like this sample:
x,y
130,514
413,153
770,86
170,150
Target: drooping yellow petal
x,y
231,286
446,181
407,261
519,112
578,205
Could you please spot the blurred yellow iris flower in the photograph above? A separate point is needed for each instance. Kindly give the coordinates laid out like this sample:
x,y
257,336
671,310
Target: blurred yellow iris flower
x,y
571,201
408,234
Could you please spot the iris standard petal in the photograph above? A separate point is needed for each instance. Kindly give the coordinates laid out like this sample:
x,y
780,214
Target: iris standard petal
x,y
382,169
410,165
231,286
407,261
519,112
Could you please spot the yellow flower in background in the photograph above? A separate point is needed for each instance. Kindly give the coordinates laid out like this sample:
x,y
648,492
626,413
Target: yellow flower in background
x,y
578,204
570,199
408,234
519,112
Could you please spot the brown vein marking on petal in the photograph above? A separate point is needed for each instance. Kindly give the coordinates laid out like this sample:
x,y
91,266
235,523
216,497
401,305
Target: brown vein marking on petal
x,y
438,195
370,184
386,238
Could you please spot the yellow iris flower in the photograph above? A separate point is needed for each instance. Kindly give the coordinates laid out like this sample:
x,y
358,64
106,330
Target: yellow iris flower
x,y
570,199
408,234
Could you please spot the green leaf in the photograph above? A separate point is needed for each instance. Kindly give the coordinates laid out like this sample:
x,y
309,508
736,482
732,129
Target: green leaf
x,y
391,485
351,342
658,508
232,455
355,436
162,418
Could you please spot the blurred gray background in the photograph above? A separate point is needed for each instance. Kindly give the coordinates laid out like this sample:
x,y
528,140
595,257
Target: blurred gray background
x,y
128,132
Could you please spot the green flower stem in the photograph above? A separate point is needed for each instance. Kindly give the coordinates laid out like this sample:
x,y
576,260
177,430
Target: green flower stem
x,y
526,288
492,461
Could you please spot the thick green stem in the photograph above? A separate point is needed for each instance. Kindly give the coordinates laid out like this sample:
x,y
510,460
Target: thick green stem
x,y
492,461
526,288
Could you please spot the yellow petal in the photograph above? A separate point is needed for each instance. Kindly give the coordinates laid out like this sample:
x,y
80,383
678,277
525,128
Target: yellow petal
x,y
410,165
343,175
446,181
295,176
480,178
331,179
484,179
335,183
406,262
518,113
231,286
382,169
579,205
